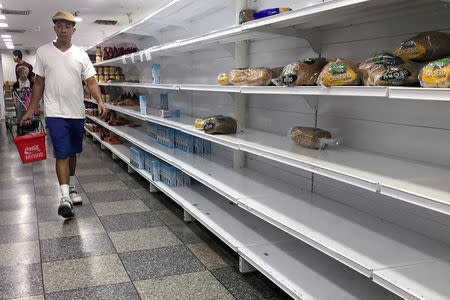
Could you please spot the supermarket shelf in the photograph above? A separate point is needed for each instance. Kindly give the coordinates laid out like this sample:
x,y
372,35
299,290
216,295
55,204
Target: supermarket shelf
x,y
362,242
418,183
300,270
419,93
369,91
142,85
210,88
420,282
408,93
277,255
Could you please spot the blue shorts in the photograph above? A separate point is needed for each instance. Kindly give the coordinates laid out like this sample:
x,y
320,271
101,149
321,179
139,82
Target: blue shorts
x,y
67,136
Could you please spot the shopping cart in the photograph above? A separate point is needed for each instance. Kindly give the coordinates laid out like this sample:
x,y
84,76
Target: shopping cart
x,y
21,105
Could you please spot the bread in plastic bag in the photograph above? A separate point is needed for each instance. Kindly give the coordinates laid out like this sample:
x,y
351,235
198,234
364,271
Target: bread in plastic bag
x,y
303,72
386,69
339,72
309,137
220,124
246,15
425,47
436,74
252,77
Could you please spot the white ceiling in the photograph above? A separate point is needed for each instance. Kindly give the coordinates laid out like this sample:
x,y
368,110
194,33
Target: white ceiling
x,y
39,27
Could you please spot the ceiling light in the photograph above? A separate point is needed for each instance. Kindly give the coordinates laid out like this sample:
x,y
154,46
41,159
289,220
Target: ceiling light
x,y
9,43
10,47
2,17
3,25
6,36
78,19
7,40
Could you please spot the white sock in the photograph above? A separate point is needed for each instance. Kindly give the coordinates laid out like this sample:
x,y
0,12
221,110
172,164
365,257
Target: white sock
x,y
65,190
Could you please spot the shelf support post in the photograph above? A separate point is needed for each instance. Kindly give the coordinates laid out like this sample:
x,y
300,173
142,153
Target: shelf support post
x,y
244,266
240,100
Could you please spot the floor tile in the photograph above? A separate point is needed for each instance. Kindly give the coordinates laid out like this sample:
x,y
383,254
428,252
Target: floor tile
x,y
26,191
207,256
109,196
190,233
119,291
119,207
21,281
18,233
104,186
54,189
130,221
25,202
248,286
168,217
143,239
16,180
19,253
83,179
21,216
195,286
76,247
72,227
50,213
147,264
40,297
86,172
83,272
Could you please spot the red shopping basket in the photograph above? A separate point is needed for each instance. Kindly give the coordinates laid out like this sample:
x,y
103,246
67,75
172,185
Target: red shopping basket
x,y
31,147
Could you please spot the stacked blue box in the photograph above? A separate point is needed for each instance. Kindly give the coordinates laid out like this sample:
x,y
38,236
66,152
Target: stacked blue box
x,y
156,170
148,162
152,130
137,157
166,136
184,141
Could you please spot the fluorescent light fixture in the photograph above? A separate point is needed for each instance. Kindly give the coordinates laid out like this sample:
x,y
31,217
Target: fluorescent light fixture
x,y
2,17
7,40
78,19
9,44
6,36
1,5
3,25
9,47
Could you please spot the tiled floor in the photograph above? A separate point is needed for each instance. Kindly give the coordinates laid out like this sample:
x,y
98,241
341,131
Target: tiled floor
x,y
125,243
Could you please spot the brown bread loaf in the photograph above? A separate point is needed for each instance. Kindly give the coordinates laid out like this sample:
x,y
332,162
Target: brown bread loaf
x,y
220,124
309,137
339,72
388,70
303,72
252,77
425,47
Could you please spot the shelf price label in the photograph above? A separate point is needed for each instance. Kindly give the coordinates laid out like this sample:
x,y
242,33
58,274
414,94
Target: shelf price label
x,y
148,55
141,56
132,58
124,60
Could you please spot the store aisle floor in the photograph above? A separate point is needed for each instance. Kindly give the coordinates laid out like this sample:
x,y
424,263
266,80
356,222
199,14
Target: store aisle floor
x,y
124,243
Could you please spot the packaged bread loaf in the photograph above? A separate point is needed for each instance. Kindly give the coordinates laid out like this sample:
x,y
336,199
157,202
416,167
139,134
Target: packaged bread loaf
x,y
339,72
436,74
386,69
425,47
220,124
309,137
253,77
303,72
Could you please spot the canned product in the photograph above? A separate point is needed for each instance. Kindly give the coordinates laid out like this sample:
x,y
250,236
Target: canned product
x,y
118,78
107,97
96,70
122,77
100,70
96,77
112,70
103,97
101,78
99,50
106,71
98,58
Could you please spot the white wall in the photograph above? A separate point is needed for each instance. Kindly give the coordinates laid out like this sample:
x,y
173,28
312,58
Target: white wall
x,y
9,66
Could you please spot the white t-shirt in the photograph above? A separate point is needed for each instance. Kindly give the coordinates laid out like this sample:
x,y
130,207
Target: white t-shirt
x,y
63,72
24,84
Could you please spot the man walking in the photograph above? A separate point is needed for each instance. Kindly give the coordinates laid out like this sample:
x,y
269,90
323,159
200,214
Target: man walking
x,y
17,57
60,68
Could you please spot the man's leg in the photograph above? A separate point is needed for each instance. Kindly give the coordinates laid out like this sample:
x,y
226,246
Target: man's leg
x,y
76,199
60,134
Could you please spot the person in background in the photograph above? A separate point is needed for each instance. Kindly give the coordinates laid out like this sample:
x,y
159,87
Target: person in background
x,y
59,68
17,57
23,81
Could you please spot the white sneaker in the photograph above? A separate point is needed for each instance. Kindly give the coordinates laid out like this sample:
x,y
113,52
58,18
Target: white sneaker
x,y
76,199
65,208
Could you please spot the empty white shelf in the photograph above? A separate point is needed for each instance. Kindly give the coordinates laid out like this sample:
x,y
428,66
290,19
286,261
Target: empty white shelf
x,y
414,182
368,91
361,241
422,281
277,255
142,85
419,93
307,274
